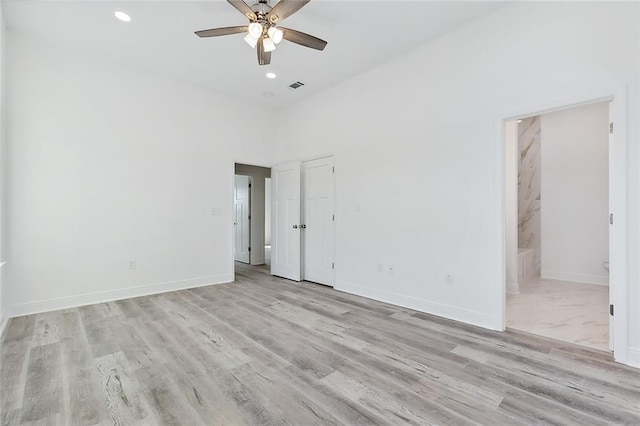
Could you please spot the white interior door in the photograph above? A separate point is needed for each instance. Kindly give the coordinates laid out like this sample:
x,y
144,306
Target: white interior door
x,y
318,232
242,249
285,221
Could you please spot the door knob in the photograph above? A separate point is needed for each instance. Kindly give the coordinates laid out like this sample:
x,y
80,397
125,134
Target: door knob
x,y
303,226
295,226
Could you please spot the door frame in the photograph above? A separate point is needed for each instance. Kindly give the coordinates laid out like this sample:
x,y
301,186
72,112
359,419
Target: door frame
x,y
618,182
250,179
231,235
335,222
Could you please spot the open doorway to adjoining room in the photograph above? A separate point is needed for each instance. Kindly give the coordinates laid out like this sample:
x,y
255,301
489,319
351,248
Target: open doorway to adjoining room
x,y
558,223
252,215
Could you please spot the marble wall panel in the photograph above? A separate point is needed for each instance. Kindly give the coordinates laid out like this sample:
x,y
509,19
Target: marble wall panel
x,y
529,188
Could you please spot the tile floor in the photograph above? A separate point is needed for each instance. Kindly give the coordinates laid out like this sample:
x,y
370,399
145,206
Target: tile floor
x,y
567,311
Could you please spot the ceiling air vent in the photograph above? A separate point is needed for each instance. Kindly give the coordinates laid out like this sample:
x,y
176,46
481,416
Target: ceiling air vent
x,y
296,85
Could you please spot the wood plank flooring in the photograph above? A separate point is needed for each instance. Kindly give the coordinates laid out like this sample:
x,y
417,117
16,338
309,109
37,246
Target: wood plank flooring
x,y
269,351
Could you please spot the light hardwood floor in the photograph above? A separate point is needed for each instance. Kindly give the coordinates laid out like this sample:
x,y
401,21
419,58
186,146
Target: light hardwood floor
x,y
269,351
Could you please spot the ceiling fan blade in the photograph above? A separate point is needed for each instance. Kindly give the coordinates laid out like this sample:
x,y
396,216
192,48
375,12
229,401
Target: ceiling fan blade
x,y
243,8
215,32
285,8
264,58
303,39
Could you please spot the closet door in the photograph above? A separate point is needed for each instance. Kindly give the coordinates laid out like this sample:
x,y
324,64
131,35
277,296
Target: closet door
x,y
285,221
318,233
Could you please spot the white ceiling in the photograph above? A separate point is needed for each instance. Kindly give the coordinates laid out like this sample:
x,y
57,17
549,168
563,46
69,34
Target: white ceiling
x,y
160,39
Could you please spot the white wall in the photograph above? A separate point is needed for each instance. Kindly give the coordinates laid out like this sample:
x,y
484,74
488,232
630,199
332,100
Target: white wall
x,y
416,144
107,165
575,193
3,310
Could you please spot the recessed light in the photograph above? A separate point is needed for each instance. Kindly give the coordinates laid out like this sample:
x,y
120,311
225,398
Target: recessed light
x,y
122,16
271,75
519,121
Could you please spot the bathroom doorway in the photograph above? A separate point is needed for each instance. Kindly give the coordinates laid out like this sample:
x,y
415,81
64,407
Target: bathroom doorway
x,y
557,247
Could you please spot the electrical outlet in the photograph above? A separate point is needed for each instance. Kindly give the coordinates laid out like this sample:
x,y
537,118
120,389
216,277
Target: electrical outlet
x,y
449,279
132,264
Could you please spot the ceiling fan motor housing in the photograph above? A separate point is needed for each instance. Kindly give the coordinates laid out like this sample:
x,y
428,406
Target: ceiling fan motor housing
x,y
261,10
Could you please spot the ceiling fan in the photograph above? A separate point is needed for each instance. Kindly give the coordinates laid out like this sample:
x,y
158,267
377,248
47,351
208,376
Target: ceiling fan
x,y
262,31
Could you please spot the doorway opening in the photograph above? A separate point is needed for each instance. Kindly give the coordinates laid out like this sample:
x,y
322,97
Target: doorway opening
x,y
252,215
558,199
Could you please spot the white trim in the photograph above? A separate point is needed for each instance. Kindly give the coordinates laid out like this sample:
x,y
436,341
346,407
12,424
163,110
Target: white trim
x,y
3,325
232,210
618,235
111,295
232,218
633,357
446,311
318,157
578,278
618,205
4,318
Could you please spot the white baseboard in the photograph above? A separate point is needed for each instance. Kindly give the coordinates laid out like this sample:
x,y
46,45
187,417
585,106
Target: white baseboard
x,y
579,278
111,295
633,357
446,311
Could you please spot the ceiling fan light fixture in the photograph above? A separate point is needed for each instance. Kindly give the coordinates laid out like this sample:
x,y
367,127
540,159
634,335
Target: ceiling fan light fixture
x,y
251,41
255,29
269,45
275,34
262,32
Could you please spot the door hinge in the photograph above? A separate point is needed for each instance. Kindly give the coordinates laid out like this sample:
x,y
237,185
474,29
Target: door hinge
x,y
249,185
249,248
249,217
333,217
333,169
333,265
611,219
611,310
611,128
